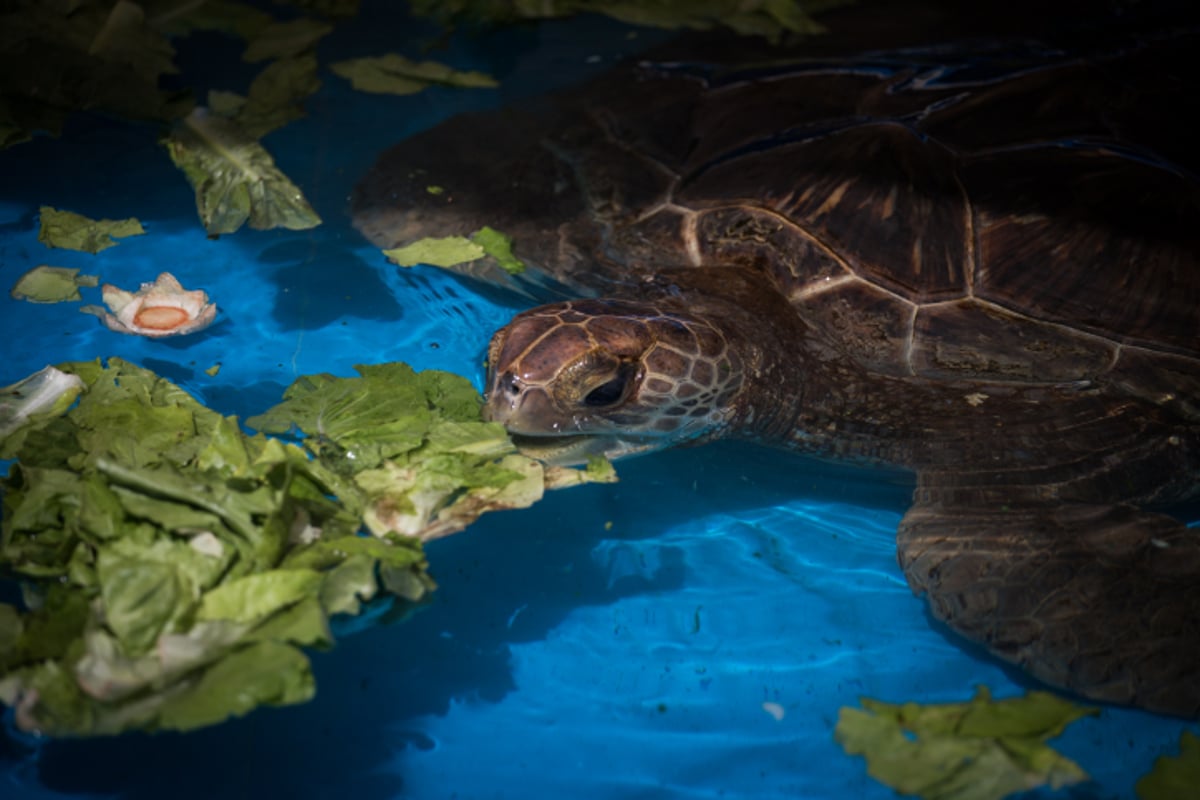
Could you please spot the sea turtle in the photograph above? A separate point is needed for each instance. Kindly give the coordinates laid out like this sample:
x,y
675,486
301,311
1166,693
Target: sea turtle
x,y
978,263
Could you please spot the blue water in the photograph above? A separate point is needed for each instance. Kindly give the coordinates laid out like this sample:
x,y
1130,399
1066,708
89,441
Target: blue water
x,y
612,641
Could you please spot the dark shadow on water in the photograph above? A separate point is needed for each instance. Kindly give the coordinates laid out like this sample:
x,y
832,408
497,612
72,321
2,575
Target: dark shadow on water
x,y
244,401
179,374
511,578
318,283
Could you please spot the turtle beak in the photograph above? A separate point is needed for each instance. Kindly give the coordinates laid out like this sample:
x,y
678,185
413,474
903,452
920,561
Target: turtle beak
x,y
571,451
518,407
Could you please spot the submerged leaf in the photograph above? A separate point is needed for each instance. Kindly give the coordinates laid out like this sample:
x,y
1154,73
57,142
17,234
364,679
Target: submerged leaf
x,y
125,38
45,284
368,419
1174,778
60,57
285,39
235,179
395,74
768,18
444,494
71,231
182,17
265,673
275,95
980,750
598,470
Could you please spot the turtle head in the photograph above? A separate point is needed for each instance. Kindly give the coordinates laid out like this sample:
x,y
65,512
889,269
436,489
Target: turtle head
x,y
609,377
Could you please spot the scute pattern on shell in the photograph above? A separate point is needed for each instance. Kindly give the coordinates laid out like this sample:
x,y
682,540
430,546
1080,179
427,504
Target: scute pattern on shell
x,y
1044,201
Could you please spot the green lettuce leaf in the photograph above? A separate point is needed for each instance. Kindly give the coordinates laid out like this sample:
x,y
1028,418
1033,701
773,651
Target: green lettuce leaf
x,y
450,251
235,179
597,470
443,494
85,56
265,673
175,563
71,231
1174,778
367,419
445,251
51,285
422,461
979,750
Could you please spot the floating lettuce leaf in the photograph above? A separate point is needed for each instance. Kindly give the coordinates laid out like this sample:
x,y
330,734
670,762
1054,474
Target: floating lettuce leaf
x,y
285,39
449,251
71,231
395,74
51,285
1174,778
235,179
438,252
439,495
972,750
979,750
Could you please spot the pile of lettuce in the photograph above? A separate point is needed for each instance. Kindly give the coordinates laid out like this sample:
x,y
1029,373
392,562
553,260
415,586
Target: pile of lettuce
x,y
173,567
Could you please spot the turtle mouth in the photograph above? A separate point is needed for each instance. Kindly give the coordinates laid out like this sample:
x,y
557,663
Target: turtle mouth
x,y
575,449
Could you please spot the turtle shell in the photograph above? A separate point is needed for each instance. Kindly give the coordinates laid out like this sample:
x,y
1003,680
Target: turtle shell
x,y
1009,214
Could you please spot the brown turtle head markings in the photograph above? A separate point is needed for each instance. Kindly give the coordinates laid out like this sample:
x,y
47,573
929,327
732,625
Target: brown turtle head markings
x,y
611,377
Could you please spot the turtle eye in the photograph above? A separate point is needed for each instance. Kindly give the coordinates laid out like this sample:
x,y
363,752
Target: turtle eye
x,y
509,384
606,394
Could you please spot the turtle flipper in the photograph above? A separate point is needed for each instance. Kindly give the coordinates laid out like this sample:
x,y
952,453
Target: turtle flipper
x,y
1100,600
